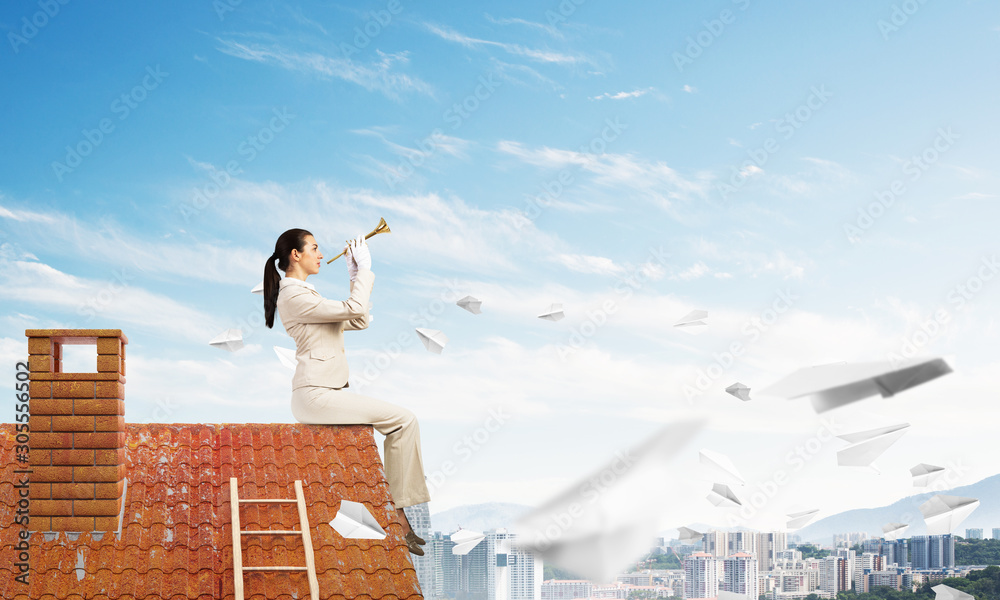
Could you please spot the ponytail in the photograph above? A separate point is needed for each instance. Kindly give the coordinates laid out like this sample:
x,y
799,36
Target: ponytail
x,y
293,239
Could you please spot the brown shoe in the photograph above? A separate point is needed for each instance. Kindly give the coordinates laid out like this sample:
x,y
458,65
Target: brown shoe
x,y
411,543
412,537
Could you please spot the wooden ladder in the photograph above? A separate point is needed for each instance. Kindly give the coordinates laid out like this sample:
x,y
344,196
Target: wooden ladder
x,y
239,569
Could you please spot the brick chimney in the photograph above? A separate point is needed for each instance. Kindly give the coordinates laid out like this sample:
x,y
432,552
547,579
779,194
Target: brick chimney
x,y
77,432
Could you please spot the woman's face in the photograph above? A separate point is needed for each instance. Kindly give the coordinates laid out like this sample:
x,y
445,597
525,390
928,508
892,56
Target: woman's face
x,y
310,258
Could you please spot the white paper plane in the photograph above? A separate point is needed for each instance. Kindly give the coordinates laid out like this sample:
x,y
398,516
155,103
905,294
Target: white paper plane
x,y
355,521
230,339
719,464
838,384
258,289
722,496
924,474
740,391
945,592
473,305
893,531
287,357
602,523
798,520
866,446
554,313
693,322
942,514
465,540
433,339
688,536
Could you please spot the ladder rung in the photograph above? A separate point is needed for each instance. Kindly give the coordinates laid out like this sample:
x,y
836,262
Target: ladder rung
x,y
267,501
275,568
271,532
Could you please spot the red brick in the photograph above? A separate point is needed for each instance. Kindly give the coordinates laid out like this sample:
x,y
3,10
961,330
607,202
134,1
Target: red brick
x,y
77,377
42,491
109,346
40,456
106,523
41,524
94,508
53,474
39,423
106,474
77,456
72,524
54,508
109,456
40,389
110,389
75,333
109,363
100,439
74,491
39,345
50,406
99,406
52,440
73,389
38,363
109,423
108,490
73,423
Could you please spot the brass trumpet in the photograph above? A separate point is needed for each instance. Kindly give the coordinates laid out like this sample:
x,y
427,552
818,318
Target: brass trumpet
x,y
381,228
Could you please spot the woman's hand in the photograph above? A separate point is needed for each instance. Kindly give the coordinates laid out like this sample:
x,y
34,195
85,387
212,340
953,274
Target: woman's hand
x,y
358,256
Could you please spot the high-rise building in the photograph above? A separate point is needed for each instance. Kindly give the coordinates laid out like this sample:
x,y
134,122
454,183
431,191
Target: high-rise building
x,y
893,551
740,575
419,516
833,576
567,589
851,559
714,543
511,573
741,541
847,540
932,552
867,563
996,533
701,578
976,533
447,566
769,544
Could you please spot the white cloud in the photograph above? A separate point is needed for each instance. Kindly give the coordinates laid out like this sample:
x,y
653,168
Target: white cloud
x,y
622,95
689,89
537,55
582,263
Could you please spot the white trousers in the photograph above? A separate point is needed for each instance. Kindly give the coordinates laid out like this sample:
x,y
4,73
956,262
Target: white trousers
x,y
404,468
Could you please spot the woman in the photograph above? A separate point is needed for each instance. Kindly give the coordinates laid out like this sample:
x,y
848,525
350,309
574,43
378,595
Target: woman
x,y
318,395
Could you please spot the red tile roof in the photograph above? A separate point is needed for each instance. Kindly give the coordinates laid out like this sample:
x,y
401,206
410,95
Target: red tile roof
x,y
176,539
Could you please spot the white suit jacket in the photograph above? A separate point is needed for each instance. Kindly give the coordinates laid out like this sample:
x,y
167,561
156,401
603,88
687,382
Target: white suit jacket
x,y
317,325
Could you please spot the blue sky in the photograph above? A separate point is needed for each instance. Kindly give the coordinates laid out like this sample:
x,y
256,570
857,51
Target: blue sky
x,y
660,157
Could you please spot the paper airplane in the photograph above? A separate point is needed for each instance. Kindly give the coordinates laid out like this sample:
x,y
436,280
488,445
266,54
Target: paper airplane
x,y
799,519
688,536
287,357
471,304
433,339
838,384
945,592
893,531
465,540
230,339
554,313
599,530
866,446
720,464
740,391
722,496
693,322
258,289
942,514
924,474
354,520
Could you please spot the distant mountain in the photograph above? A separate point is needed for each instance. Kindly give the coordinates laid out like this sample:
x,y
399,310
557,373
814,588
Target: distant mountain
x,y
478,517
907,510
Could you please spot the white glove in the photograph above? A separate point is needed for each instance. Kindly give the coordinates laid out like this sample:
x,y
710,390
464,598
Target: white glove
x,y
352,265
359,256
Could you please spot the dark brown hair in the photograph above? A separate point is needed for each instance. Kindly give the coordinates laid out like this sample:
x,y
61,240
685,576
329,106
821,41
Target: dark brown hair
x,y
293,239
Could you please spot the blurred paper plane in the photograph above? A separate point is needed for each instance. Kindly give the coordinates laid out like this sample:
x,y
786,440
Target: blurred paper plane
x,y
866,446
924,474
721,495
719,463
838,384
688,536
258,289
355,521
471,304
693,322
799,519
230,339
287,357
893,531
465,540
945,592
433,339
740,391
554,313
602,523
942,514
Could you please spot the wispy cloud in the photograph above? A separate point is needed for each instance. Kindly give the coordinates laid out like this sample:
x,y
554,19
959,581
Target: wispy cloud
x,y
381,75
622,95
549,29
582,263
538,55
